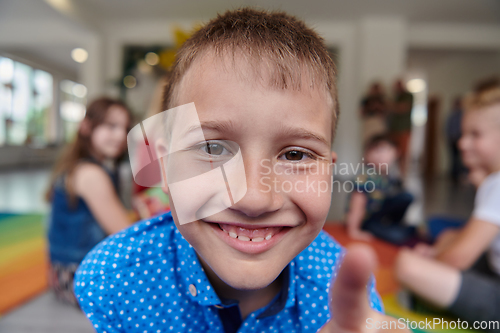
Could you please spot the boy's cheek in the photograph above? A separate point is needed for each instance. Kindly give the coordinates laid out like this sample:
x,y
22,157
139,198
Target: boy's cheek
x,y
315,205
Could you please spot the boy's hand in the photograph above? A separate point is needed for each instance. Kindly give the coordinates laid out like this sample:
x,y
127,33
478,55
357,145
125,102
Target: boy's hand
x,y
351,312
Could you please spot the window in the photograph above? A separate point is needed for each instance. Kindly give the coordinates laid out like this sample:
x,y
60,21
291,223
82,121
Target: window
x,y
26,99
72,108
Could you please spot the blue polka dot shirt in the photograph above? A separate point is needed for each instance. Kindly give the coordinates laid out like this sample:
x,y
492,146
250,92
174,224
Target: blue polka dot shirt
x,y
148,278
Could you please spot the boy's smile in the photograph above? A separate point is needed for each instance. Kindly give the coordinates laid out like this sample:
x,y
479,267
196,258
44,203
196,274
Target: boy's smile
x,y
249,238
250,243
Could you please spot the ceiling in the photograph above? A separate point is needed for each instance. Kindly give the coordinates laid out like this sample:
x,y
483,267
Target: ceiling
x,y
56,58
460,11
463,11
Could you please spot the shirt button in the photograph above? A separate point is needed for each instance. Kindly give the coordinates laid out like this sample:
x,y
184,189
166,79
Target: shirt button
x,y
192,290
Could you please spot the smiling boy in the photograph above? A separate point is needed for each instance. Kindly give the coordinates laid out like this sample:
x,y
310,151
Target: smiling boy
x,y
265,82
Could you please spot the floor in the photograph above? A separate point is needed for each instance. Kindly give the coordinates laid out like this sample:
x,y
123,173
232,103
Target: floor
x,y
22,191
45,315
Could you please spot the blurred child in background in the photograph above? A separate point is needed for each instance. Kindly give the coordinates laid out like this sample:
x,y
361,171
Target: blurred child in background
x,y
84,192
379,203
461,272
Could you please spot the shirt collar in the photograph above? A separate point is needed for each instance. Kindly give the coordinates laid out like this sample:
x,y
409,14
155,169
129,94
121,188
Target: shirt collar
x,y
280,301
194,280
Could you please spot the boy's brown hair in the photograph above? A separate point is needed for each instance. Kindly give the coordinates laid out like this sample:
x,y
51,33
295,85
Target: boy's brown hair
x,y
289,47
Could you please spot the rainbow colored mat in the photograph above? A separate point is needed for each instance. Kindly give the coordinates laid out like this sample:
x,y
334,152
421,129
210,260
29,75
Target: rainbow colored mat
x,y
23,260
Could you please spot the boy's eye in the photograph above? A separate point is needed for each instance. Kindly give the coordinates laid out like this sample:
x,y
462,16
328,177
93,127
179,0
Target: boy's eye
x,y
213,149
218,149
294,155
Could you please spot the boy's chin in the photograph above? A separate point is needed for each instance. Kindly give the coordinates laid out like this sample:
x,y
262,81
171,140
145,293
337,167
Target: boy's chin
x,y
250,279
250,283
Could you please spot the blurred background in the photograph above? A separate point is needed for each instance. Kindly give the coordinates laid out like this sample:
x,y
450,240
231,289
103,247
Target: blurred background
x,y
57,55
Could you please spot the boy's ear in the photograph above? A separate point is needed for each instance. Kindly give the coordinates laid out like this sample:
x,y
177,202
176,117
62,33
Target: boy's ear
x,y
85,127
164,185
162,153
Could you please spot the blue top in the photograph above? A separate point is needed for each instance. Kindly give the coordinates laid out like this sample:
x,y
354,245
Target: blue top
x,y
73,230
377,187
147,278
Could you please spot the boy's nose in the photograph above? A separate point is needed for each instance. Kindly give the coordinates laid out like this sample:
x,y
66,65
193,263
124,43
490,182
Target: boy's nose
x,y
260,197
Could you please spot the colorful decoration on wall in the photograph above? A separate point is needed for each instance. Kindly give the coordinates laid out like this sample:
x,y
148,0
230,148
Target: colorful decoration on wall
x,y
154,60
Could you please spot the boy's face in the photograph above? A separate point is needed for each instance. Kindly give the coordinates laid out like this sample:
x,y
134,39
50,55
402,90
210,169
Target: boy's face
x,y
481,138
284,137
382,155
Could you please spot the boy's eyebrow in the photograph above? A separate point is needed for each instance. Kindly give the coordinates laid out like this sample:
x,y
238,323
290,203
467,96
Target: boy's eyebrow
x,y
219,126
300,132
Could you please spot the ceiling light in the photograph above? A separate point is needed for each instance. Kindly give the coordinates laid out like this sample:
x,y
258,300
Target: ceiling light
x,y
79,55
129,81
152,59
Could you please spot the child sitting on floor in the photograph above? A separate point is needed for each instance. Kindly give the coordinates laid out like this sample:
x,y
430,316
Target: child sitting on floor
x,y
461,273
379,203
84,192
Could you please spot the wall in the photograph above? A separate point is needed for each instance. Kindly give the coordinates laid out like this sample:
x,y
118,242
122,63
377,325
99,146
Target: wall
x,y
27,157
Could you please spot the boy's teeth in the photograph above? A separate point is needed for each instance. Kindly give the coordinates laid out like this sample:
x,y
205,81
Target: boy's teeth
x,y
254,235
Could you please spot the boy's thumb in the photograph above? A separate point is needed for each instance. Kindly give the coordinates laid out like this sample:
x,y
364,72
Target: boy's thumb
x,y
349,297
